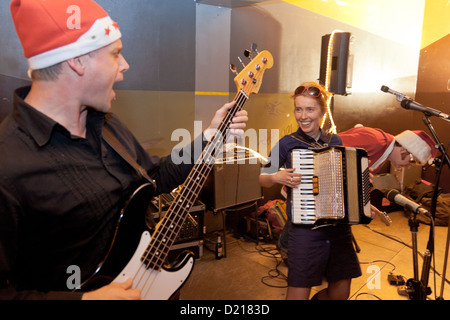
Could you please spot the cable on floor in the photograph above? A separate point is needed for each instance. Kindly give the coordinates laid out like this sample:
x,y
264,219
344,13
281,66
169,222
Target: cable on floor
x,y
275,274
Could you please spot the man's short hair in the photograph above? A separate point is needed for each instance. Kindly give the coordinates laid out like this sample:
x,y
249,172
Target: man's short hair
x,y
47,74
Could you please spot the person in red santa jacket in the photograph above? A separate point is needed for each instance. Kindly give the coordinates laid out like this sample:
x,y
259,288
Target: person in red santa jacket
x,y
402,150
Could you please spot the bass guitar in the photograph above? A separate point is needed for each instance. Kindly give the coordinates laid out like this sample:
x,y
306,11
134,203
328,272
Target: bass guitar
x,y
135,252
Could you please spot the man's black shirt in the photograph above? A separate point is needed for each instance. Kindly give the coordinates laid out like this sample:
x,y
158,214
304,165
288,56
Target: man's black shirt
x,y
61,195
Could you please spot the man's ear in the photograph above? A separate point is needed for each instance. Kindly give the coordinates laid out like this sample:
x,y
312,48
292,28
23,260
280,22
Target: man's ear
x,y
402,149
76,65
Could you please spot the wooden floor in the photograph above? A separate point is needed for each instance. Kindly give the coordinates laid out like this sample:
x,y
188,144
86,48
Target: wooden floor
x,y
253,271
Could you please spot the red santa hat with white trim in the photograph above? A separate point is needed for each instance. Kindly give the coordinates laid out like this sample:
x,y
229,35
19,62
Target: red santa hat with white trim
x,y
418,143
52,31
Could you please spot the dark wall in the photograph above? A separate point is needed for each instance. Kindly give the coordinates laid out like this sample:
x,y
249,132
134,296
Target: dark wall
x,y
433,91
13,67
159,43
158,38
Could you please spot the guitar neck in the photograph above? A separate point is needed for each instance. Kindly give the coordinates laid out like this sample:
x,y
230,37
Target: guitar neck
x,y
171,224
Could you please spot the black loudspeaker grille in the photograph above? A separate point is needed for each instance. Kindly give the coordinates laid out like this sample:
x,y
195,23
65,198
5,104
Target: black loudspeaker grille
x,y
231,184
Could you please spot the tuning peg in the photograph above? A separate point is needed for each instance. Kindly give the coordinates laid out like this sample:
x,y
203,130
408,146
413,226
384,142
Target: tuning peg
x,y
255,47
240,60
248,54
233,69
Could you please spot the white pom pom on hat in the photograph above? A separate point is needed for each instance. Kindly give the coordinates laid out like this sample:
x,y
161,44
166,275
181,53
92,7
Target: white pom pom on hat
x,y
418,143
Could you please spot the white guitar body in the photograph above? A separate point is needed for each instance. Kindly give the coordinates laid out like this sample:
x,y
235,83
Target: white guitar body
x,y
155,284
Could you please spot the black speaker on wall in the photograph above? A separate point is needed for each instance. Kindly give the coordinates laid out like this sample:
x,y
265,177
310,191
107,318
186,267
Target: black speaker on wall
x,y
341,61
231,184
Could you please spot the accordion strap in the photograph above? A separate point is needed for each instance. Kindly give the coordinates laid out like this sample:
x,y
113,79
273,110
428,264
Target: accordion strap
x,y
314,144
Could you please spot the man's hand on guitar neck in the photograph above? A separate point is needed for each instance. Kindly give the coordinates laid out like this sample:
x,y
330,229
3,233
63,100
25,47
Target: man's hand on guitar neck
x,y
237,124
114,291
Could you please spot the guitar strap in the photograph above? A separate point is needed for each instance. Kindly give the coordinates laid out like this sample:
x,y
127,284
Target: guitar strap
x,y
111,139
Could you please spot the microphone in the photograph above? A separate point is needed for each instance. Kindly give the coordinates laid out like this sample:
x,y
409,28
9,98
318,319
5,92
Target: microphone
x,y
395,196
400,96
412,105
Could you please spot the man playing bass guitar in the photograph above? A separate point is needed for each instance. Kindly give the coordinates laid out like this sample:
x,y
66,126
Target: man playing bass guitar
x,y
62,186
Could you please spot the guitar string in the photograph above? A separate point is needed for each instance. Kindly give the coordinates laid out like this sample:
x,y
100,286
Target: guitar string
x,y
178,207
176,210
223,126
179,203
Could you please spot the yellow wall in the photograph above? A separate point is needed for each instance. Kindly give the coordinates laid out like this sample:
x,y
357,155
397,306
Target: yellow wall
x,y
397,20
411,22
436,21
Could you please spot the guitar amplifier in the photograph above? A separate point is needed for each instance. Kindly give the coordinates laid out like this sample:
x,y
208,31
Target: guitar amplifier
x,y
192,229
233,182
196,247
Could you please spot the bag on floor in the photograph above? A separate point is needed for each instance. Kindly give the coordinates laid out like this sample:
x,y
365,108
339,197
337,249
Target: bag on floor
x,y
442,210
422,193
275,213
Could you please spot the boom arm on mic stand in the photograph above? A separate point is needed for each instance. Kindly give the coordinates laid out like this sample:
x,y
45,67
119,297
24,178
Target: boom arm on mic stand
x,y
410,104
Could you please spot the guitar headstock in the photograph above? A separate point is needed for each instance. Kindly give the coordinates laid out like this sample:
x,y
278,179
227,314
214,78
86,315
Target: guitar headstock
x,y
250,78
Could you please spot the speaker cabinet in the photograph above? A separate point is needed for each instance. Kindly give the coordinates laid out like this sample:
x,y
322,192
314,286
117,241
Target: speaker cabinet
x,y
231,184
340,78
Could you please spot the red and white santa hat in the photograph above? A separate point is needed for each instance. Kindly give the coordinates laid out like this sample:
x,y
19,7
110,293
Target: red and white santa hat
x,y
52,31
418,143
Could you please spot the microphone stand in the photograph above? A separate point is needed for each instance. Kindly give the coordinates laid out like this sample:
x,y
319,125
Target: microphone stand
x,y
418,289
439,164
415,288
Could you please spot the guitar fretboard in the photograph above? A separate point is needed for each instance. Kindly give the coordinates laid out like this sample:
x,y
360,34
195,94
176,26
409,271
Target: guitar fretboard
x,y
156,253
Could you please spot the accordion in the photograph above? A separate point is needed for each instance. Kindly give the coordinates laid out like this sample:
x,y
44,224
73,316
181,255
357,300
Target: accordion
x,y
334,188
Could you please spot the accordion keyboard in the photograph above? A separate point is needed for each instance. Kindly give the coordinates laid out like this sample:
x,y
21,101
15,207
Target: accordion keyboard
x,y
303,202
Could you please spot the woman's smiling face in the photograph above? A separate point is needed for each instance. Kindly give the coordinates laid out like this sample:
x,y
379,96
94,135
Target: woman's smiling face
x,y
308,113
